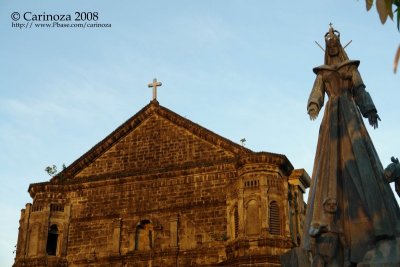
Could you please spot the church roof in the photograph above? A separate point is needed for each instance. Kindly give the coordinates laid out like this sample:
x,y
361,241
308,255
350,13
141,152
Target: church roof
x,y
228,147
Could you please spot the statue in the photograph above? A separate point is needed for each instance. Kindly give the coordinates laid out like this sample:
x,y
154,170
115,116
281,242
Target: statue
x,y
347,167
392,174
328,241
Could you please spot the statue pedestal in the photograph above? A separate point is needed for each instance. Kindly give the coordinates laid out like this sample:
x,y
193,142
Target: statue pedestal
x,y
385,254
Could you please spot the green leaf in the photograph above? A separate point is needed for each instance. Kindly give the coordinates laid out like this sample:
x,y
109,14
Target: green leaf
x,y
381,7
369,4
389,8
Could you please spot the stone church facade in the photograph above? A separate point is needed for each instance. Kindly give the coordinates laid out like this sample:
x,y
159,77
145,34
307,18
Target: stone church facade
x,y
163,191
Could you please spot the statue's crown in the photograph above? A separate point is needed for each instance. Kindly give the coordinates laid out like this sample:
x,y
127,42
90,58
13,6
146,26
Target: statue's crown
x,y
332,37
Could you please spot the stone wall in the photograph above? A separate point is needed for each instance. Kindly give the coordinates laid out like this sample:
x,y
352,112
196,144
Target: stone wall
x,y
189,208
156,144
159,191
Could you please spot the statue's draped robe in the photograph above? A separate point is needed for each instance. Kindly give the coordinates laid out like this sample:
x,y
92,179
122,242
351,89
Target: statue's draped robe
x,y
346,165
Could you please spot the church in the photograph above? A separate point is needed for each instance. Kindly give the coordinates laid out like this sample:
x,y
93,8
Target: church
x,y
161,190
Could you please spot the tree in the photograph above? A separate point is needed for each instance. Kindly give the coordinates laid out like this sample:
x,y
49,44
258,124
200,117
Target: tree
x,y
385,10
52,170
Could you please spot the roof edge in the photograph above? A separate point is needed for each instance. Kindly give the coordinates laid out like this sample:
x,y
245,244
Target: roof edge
x,y
133,122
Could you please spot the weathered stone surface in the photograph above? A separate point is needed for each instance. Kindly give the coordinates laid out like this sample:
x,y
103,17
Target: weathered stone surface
x,y
392,174
296,257
160,191
347,172
386,253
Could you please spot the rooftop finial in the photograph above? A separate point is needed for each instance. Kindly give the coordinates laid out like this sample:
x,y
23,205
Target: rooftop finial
x,y
154,84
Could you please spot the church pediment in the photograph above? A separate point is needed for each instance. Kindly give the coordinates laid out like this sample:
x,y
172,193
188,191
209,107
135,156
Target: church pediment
x,y
153,139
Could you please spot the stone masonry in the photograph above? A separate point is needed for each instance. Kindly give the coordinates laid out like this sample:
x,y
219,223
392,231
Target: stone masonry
x,y
163,191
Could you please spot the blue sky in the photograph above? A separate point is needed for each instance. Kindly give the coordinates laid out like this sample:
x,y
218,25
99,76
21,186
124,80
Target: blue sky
x,y
242,69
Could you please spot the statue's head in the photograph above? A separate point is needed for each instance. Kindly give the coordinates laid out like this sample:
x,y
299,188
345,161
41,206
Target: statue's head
x,y
333,46
332,41
330,205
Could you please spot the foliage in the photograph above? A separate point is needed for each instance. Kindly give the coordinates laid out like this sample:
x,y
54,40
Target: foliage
x,y
385,10
52,170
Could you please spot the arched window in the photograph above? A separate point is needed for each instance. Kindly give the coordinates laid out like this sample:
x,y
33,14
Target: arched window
x,y
144,235
236,221
274,218
51,247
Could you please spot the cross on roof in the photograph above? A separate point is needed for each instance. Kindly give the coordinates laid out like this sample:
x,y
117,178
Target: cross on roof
x,y
154,84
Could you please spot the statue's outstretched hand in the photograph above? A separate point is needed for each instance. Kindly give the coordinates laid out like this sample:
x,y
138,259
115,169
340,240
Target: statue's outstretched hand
x,y
373,119
313,111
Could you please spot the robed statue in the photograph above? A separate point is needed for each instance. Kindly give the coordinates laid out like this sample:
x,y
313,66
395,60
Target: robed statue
x,y
347,168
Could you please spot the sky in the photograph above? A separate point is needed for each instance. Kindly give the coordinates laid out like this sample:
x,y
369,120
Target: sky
x,y
242,69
